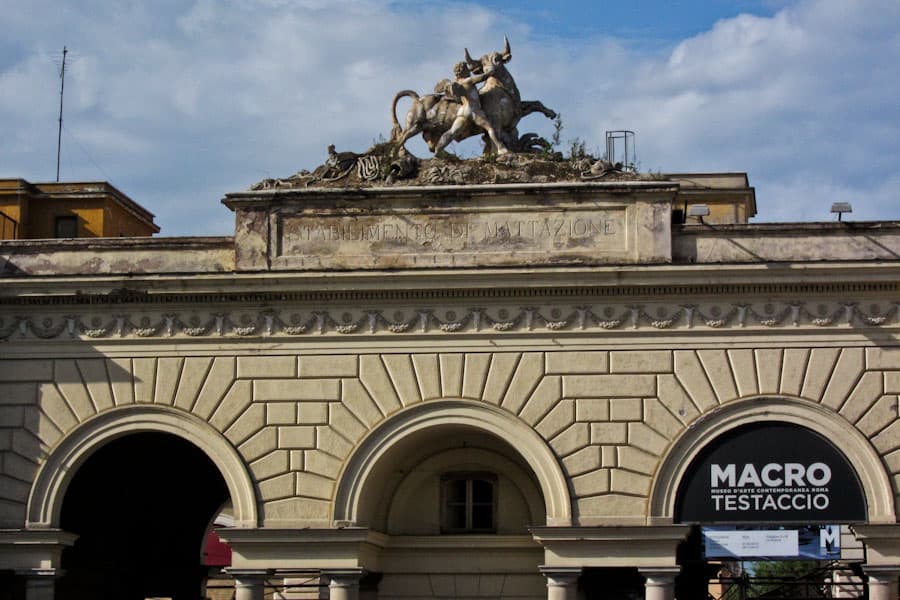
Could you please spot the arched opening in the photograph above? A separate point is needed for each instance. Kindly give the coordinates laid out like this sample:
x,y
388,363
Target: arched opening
x,y
456,501
769,482
420,431
141,506
454,487
861,456
453,480
48,490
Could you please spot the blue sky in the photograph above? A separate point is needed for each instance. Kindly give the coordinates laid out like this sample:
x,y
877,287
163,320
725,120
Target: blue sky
x,y
653,24
177,102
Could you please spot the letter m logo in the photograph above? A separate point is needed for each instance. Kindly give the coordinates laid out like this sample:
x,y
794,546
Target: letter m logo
x,y
830,538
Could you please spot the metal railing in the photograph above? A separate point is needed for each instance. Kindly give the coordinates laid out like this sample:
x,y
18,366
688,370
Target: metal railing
x,y
834,580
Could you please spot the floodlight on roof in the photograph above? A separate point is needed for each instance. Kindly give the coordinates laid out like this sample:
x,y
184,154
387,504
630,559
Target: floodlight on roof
x,y
840,208
699,211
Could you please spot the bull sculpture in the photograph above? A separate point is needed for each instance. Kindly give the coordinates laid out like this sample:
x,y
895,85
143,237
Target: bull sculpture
x,y
433,115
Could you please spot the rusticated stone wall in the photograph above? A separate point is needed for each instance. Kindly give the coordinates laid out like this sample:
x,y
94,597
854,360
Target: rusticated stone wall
x,y
610,416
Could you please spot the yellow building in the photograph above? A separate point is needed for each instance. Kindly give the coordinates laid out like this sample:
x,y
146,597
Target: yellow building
x,y
69,210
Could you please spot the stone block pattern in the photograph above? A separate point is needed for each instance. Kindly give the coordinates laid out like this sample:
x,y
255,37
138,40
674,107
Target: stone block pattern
x,y
610,416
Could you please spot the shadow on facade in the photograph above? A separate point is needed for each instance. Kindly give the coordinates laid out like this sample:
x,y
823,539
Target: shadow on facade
x,y
612,583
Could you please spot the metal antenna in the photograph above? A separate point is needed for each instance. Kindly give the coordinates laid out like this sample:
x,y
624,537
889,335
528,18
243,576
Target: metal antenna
x,y
62,87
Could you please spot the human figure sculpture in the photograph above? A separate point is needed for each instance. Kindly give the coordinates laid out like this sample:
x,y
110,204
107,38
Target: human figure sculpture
x,y
464,89
497,102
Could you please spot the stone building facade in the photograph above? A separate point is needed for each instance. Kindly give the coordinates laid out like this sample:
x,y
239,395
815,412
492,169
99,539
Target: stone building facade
x,y
485,391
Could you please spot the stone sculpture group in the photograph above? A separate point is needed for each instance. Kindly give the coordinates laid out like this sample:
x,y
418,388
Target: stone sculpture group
x,y
482,99
458,109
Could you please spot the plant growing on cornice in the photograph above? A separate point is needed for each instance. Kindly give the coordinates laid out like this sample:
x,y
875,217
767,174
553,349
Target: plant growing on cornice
x,y
550,151
578,150
557,131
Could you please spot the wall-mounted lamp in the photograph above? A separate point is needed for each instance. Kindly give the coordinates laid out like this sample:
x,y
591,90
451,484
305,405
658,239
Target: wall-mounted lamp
x,y
699,211
840,208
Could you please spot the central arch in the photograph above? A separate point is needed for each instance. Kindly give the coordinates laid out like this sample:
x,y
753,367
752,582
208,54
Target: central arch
x,y
47,493
488,418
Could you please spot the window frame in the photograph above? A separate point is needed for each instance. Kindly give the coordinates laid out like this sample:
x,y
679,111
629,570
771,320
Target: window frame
x,y
68,222
469,477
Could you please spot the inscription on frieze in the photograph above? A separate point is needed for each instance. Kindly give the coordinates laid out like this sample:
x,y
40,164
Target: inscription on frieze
x,y
447,238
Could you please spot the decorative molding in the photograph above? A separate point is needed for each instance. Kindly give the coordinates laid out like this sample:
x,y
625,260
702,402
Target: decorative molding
x,y
406,320
358,292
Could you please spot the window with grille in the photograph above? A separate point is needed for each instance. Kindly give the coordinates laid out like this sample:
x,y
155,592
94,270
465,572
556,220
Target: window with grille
x,y
469,503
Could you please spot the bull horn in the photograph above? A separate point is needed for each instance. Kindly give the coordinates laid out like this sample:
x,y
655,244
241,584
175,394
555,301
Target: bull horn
x,y
473,64
507,53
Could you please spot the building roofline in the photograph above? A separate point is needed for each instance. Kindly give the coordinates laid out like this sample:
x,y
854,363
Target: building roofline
x,y
83,187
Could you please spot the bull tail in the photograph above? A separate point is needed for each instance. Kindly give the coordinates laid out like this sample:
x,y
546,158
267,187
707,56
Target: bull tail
x,y
397,130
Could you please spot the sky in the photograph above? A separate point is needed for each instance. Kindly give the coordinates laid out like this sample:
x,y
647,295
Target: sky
x,y
177,102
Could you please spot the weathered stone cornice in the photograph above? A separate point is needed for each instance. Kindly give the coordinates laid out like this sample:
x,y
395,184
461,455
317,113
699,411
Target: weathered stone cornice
x,y
613,281
265,197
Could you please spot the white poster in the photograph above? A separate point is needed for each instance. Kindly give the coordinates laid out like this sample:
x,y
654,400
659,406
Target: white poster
x,y
738,544
805,542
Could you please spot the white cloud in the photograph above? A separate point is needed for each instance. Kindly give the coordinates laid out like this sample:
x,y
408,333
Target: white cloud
x,y
182,102
799,98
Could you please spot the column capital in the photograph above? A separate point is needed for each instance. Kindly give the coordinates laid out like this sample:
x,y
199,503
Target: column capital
x,y
247,573
345,572
659,582
249,584
345,577
882,572
560,575
343,584
659,575
40,583
251,580
882,581
562,582
40,573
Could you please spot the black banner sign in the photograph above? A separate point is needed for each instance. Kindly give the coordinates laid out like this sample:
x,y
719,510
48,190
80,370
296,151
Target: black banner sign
x,y
770,473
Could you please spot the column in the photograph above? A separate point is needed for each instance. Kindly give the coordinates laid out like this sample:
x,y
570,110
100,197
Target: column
x,y
562,582
882,581
249,584
660,583
343,583
39,583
